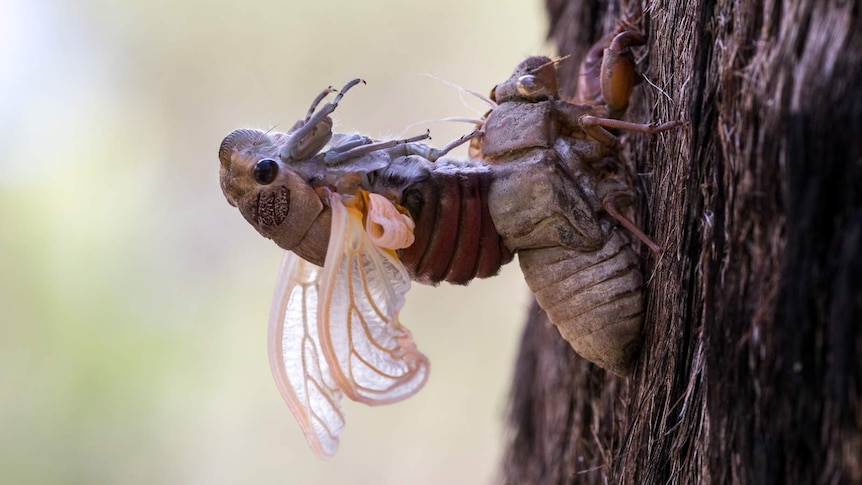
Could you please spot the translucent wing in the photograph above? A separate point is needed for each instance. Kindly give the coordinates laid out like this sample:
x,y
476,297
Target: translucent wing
x,y
372,357
295,357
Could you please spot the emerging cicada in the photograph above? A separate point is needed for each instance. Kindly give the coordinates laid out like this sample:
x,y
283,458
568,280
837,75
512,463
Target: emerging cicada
x,y
346,217
360,218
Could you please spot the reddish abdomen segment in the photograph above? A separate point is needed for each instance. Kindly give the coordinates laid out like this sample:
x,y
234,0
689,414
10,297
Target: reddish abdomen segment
x,y
456,240
595,298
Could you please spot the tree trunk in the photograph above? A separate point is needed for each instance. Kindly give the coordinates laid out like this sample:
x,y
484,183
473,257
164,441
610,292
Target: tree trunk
x,y
751,370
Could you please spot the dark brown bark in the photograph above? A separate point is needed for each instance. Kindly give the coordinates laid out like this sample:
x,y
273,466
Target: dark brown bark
x,y
752,364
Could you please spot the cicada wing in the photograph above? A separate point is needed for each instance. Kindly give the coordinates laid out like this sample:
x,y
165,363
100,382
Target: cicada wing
x,y
371,355
296,359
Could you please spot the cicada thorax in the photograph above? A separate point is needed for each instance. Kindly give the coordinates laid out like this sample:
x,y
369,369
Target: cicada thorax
x,y
455,236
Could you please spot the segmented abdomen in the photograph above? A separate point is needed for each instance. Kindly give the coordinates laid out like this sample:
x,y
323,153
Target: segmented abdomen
x,y
456,240
594,298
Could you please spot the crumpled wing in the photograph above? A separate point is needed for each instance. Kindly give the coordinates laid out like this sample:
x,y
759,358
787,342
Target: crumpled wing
x,y
372,357
295,357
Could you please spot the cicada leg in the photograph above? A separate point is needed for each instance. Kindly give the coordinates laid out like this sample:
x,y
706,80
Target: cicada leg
x,y
597,127
396,148
406,147
434,153
609,64
320,97
315,132
619,74
323,94
351,150
609,203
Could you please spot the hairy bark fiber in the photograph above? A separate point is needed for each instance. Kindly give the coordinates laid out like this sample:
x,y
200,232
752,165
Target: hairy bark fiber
x,y
751,370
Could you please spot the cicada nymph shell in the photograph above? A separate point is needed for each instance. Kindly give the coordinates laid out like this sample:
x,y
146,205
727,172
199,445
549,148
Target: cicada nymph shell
x,y
555,195
594,298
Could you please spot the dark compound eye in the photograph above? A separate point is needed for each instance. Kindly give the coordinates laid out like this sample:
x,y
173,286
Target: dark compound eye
x,y
528,85
265,171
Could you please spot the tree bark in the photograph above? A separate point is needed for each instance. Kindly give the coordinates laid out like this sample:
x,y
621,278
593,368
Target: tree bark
x,y
751,370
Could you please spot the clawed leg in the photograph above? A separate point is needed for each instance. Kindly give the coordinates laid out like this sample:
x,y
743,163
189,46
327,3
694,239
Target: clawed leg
x,y
350,151
649,128
398,148
609,204
597,127
350,142
607,73
619,75
436,153
315,132
302,122
323,94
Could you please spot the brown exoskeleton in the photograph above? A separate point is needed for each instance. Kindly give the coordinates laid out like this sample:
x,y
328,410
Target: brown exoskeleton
x,y
272,178
360,218
556,194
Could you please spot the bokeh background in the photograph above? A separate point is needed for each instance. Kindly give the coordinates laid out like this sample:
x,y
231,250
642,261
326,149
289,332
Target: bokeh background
x,y
134,299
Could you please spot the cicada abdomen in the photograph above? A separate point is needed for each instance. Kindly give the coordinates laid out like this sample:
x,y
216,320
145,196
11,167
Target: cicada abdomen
x,y
456,239
594,298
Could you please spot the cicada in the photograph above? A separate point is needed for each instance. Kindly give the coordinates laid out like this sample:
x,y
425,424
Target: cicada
x,y
562,198
361,218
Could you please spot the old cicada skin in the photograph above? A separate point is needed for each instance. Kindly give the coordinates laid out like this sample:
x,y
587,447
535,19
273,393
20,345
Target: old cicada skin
x,y
361,218
556,194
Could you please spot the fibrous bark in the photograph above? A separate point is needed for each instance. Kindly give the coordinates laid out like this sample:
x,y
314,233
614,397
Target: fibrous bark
x,y
751,370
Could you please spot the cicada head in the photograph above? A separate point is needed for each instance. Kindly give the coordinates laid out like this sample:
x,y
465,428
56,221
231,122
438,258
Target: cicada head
x,y
271,193
535,79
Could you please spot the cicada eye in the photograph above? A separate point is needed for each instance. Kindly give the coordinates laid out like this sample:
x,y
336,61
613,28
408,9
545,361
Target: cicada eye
x,y
265,171
529,85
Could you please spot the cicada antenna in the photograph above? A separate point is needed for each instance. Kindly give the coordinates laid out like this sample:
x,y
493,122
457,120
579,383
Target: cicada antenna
x,y
552,62
462,89
561,59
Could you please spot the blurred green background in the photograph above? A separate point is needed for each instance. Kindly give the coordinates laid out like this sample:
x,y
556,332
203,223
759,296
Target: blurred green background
x,y
134,299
